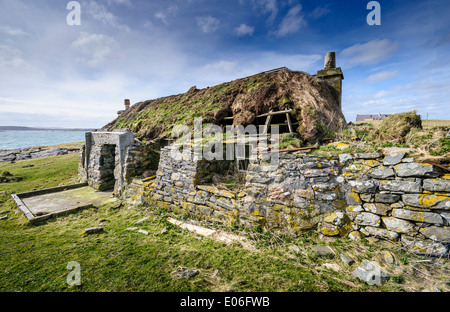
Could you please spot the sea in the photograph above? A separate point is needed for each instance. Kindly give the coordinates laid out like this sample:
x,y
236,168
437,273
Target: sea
x,y
13,139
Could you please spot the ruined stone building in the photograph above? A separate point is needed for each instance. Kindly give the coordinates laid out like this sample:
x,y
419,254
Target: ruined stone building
x,y
287,191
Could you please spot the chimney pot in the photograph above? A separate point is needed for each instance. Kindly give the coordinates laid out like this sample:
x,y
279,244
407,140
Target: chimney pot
x,y
127,104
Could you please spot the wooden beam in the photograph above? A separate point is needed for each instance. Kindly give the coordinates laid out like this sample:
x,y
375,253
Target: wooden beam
x,y
268,120
275,113
289,122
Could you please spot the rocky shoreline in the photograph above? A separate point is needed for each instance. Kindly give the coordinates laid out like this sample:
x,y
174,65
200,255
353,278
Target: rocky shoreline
x,y
32,153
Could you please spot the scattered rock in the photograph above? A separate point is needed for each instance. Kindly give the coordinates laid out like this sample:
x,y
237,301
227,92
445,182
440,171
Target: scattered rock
x,y
181,272
4,217
346,259
28,166
163,231
92,230
387,257
7,174
371,273
332,266
142,220
432,289
323,251
132,229
294,248
143,232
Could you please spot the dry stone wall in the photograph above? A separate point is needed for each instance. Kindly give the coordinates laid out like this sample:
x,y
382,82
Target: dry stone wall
x,y
109,160
354,195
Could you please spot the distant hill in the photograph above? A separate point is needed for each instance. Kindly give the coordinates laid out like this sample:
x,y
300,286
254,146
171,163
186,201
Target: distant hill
x,y
22,128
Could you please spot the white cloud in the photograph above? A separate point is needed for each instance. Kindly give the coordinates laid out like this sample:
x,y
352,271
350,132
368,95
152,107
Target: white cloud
x,y
207,24
162,16
244,30
97,47
101,13
369,53
166,14
292,22
11,31
238,66
267,7
380,76
224,67
319,12
125,2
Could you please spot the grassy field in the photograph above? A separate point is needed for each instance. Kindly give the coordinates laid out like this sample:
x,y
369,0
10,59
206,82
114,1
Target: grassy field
x,y
426,123
35,258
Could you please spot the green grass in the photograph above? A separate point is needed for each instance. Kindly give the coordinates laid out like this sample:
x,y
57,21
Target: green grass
x,y
47,172
34,258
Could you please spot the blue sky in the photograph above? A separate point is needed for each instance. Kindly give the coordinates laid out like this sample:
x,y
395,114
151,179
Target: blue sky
x,y
56,75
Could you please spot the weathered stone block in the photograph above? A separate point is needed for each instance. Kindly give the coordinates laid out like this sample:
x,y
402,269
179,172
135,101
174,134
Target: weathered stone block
x,y
343,158
377,208
436,185
416,170
381,173
306,193
399,225
369,186
367,155
386,198
400,186
446,217
352,199
418,216
368,198
367,218
427,201
380,232
329,229
393,159
436,233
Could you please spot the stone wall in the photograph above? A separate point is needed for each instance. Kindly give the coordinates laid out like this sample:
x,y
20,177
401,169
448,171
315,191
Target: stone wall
x,y
109,160
389,196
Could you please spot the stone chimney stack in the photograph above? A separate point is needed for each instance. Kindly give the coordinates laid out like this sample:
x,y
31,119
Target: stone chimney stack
x,y
332,76
127,104
330,60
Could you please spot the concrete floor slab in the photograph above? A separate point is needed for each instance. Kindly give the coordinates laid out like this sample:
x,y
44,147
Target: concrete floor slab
x,y
67,200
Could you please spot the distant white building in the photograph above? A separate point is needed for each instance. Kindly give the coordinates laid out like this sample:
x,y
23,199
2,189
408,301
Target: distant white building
x,y
371,117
